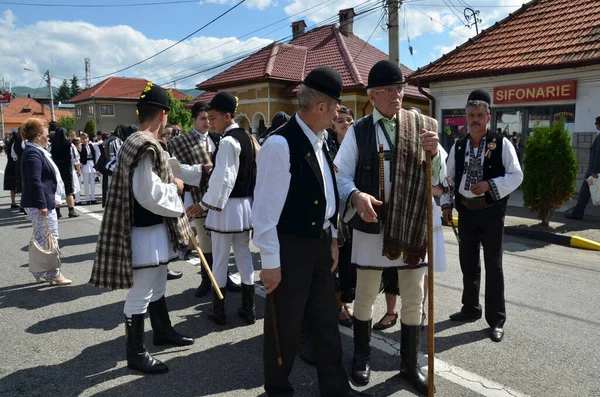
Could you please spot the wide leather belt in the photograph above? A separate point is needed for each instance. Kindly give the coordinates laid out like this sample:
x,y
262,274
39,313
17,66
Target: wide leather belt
x,y
476,203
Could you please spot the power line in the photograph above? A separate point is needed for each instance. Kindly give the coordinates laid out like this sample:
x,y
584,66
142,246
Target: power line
x,y
178,42
36,90
14,3
435,20
369,38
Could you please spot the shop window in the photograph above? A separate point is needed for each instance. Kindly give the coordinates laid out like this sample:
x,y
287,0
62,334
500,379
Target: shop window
x,y
454,127
567,113
107,110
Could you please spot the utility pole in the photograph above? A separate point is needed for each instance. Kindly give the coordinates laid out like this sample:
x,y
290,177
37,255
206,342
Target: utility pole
x,y
51,95
393,7
2,113
473,14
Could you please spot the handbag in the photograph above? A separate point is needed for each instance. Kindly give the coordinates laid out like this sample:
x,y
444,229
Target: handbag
x,y
43,259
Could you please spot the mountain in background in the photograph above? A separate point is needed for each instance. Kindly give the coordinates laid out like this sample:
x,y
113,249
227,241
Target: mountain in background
x,y
42,92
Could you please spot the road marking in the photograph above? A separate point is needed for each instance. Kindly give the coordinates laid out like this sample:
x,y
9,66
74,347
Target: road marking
x,y
452,373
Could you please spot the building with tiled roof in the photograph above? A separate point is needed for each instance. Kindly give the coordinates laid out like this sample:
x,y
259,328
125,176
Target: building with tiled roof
x,y
112,102
539,64
266,81
21,109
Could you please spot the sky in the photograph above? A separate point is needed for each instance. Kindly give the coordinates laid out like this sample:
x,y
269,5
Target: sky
x,y
59,36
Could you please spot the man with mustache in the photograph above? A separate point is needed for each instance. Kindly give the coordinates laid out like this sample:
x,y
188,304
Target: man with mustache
x,y
484,169
390,221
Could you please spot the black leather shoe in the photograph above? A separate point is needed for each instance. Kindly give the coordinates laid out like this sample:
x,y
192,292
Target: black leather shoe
x,y
464,316
14,206
379,326
569,215
497,334
173,275
231,286
356,393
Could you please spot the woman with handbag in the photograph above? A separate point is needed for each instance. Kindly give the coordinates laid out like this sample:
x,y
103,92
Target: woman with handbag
x,y
42,190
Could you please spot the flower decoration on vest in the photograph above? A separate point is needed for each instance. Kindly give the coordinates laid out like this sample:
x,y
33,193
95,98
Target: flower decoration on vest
x,y
491,146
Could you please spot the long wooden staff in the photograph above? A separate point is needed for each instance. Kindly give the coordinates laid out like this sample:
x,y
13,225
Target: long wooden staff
x,y
431,324
207,268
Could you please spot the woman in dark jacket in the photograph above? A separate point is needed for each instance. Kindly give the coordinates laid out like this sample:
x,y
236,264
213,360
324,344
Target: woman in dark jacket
x,y
41,186
62,156
12,170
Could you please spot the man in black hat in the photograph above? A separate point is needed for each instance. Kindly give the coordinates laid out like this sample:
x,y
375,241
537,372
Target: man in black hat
x,y
229,201
592,170
389,222
483,169
135,244
294,216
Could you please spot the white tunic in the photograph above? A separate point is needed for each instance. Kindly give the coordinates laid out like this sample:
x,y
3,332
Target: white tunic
x,y
366,248
225,214
151,245
501,186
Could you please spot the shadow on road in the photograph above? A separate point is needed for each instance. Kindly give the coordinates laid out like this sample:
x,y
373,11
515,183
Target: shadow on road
x,y
34,296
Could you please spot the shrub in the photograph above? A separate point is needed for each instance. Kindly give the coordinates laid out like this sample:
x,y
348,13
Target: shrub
x,y
90,127
67,122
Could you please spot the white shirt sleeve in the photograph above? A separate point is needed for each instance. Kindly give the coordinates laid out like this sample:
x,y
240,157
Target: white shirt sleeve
x,y
191,174
445,199
154,195
505,185
345,161
74,156
272,186
222,179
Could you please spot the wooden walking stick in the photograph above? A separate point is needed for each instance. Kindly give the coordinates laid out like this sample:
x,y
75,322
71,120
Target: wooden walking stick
x,y
271,299
207,268
431,324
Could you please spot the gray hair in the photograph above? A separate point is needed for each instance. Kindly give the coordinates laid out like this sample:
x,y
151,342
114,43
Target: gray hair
x,y
308,98
477,104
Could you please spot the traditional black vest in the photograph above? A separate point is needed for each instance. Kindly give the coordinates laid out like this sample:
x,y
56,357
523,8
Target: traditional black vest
x,y
246,178
144,218
303,213
492,164
366,175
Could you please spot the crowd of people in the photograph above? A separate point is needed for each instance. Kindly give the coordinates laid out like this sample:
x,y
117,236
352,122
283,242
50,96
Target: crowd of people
x,y
337,206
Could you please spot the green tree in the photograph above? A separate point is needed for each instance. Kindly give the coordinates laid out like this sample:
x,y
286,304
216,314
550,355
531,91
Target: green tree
x,y
179,114
75,88
550,168
90,127
67,122
64,91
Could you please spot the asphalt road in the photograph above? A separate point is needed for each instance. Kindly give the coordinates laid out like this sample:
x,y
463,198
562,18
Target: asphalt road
x,y
69,341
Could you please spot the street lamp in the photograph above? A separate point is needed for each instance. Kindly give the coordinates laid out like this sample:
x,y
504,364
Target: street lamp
x,y
49,81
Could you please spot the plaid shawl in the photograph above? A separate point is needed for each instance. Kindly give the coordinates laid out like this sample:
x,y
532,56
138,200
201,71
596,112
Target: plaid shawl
x,y
187,149
112,266
405,231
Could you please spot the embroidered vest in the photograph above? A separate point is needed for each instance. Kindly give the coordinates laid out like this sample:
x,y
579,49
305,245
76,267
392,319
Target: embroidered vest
x,y
492,164
246,177
303,213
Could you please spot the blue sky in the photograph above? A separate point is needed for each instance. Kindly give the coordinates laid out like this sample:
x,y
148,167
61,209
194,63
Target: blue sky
x,y
59,38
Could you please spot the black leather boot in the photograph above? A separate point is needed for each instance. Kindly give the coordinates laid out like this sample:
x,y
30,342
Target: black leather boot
x,y
72,213
361,362
138,357
164,333
247,311
410,341
173,274
218,307
58,214
231,285
204,287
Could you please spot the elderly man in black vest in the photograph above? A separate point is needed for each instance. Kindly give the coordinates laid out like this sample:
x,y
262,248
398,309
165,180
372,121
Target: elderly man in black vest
x,y
484,169
294,215
382,179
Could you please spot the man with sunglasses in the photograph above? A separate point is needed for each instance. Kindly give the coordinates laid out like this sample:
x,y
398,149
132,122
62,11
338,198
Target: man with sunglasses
x,y
389,228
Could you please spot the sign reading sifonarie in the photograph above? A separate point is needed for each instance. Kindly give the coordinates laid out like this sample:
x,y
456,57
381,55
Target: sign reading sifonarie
x,y
542,92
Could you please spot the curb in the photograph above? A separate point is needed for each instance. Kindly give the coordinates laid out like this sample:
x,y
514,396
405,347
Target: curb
x,y
549,237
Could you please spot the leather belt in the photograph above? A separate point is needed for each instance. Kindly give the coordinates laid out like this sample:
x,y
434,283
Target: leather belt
x,y
476,203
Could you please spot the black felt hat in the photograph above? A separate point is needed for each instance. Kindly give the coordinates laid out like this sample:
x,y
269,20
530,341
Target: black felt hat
x,y
326,80
598,120
198,107
480,95
384,73
224,102
154,95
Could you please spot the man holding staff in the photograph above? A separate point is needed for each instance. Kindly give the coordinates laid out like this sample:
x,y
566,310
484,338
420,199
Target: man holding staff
x,y
382,179
294,215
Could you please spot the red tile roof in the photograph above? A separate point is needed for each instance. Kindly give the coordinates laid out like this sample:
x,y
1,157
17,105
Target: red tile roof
x,y
120,88
543,34
205,97
20,109
325,46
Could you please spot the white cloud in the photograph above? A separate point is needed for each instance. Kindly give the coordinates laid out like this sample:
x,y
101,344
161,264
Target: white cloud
x,y
62,46
257,4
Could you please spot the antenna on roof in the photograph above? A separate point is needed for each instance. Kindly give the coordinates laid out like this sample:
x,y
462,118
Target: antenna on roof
x,y
475,15
88,73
